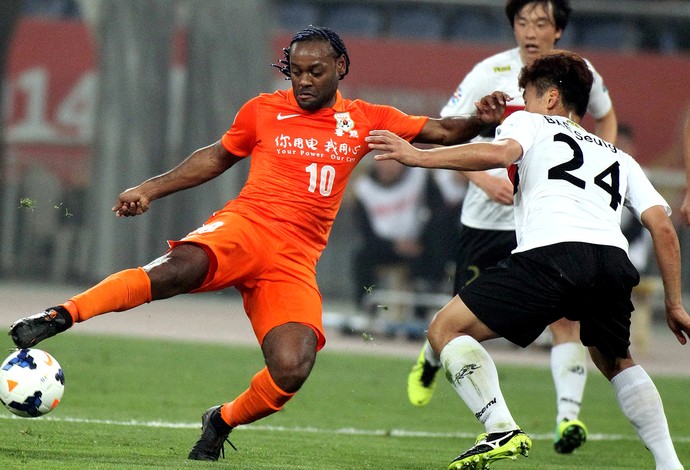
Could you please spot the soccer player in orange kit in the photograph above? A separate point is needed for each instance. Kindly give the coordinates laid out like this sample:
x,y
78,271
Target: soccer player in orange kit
x,y
304,143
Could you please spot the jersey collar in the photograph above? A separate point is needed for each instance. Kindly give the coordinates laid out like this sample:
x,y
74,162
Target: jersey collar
x,y
338,106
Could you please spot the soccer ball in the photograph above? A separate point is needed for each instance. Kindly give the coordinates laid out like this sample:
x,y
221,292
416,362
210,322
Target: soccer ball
x,y
31,383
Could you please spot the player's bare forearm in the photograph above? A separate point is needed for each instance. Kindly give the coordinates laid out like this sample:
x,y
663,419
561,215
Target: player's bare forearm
x,y
459,129
469,157
474,156
607,127
667,251
202,165
668,258
499,189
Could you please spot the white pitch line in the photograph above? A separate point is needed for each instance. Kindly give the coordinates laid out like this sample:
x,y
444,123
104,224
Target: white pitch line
x,y
313,430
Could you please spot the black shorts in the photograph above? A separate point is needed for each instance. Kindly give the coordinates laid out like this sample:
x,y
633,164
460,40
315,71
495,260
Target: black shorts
x,y
479,249
580,281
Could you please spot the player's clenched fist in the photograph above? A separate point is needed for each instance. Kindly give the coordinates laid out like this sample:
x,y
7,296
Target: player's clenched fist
x,y
490,108
130,203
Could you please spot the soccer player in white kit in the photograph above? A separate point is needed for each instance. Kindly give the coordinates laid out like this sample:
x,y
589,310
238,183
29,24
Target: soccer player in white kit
x,y
571,258
487,234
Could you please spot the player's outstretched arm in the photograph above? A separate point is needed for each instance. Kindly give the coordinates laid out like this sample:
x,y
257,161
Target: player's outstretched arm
x,y
667,251
454,130
202,165
470,157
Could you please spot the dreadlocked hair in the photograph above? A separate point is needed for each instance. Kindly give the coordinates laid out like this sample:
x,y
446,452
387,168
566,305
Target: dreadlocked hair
x,y
315,33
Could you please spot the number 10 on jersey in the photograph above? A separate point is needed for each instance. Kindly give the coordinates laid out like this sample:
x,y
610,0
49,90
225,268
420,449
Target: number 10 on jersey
x,y
323,178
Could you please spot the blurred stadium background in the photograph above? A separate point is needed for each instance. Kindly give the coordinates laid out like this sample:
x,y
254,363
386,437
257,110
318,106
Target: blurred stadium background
x,y
100,94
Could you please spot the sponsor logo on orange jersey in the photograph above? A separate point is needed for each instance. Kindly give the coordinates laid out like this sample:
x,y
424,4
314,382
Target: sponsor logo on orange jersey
x,y
343,124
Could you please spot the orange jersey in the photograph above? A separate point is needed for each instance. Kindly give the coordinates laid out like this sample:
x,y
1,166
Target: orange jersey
x,y
301,161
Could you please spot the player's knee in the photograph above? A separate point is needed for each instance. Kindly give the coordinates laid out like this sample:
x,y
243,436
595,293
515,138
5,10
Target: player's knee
x,y
290,372
290,353
437,337
609,364
179,271
565,331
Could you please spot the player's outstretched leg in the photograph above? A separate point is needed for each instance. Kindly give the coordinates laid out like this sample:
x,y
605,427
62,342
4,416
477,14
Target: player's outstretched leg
x,y
28,332
117,292
422,379
569,435
491,447
214,434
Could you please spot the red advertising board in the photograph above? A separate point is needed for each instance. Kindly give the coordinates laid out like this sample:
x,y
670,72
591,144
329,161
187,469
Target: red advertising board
x,y
50,93
51,85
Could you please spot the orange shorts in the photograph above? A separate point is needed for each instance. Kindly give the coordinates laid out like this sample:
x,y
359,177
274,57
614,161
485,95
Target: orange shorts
x,y
276,278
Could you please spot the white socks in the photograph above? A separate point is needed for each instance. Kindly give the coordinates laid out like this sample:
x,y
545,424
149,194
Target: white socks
x,y
640,402
473,376
569,370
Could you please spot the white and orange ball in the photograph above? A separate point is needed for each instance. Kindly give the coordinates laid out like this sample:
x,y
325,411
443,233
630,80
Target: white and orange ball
x,y
31,383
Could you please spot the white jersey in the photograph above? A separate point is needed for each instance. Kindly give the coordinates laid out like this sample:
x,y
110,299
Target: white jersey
x,y
394,211
500,72
572,185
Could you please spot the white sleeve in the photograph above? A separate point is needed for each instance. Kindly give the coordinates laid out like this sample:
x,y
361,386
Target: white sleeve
x,y
520,126
599,98
471,89
641,194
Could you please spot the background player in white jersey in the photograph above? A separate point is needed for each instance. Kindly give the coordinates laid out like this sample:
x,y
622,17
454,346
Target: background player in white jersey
x,y
571,258
487,234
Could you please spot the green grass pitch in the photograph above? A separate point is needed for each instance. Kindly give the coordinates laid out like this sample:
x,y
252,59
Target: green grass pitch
x,y
135,404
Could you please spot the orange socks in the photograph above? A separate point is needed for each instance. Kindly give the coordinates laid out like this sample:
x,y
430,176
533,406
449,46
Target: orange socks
x,y
117,292
262,398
